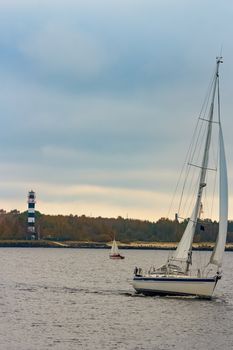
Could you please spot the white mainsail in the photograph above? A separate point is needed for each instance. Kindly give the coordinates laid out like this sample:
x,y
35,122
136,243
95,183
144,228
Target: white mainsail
x,y
217,255
114,249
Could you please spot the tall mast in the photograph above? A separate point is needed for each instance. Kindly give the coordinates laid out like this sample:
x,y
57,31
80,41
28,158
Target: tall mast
x,y
205,159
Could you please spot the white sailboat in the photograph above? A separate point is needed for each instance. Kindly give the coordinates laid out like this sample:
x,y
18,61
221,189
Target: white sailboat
x,y
178,276
115,254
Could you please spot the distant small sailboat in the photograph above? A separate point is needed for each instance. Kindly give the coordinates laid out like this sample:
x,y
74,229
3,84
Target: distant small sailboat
x,y
177,276
115,254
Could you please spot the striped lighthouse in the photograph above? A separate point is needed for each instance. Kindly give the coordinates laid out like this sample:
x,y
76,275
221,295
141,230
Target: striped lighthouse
x,y
31,229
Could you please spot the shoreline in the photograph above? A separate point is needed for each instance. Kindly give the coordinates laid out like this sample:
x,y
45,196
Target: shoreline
x,y
102,245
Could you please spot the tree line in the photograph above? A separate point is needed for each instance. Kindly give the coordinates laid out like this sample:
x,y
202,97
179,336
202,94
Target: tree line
x,y
13,226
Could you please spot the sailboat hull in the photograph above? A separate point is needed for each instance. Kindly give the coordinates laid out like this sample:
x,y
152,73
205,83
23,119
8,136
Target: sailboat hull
x,y
202,287
116,256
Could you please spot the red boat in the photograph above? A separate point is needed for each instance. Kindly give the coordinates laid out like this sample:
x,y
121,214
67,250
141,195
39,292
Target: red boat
x,y
116,256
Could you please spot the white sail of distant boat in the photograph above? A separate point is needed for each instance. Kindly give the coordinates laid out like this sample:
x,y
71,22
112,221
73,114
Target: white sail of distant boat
x,y
114,249
115,254
177,277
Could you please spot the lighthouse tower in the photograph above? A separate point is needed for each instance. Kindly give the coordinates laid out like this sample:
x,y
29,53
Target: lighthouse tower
x,y
31,229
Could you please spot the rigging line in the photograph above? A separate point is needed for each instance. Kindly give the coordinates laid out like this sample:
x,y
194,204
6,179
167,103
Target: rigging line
x,y
193,195
207,97
192,152
189,169
205,194
205,104
197,151
189,155
193,182
198,146
183,188
197,139
202,130
182,170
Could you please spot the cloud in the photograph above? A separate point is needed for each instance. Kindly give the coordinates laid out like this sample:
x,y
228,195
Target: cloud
x,y
58,49
50,118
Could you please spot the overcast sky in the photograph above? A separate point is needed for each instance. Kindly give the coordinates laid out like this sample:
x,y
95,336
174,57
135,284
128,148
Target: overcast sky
x,y
98,99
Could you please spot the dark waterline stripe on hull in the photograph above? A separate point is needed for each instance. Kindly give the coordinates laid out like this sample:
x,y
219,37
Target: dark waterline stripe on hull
x,y
147,292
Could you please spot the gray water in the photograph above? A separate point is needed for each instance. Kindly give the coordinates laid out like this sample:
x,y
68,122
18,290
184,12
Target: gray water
x,y
80,299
